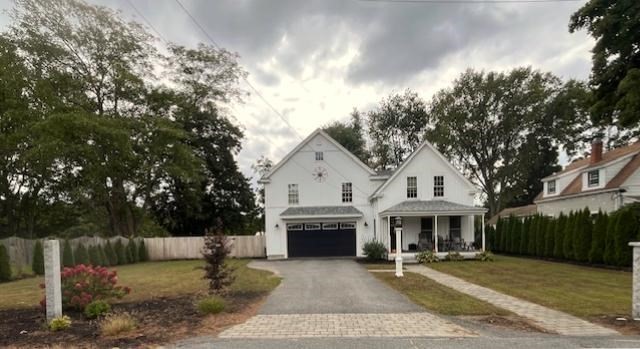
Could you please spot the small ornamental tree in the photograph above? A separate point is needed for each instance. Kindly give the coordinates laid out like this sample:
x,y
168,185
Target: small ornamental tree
x,y
132,251
111,253
558,238
67,255
121,252
5,267
598,237
217,271
84,284
81,255
37,263
143,254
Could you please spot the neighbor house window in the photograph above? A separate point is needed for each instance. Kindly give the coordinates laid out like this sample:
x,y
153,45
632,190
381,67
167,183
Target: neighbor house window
x,y
293,194
412,187
438,186
319,155
551,187
593,178
347,192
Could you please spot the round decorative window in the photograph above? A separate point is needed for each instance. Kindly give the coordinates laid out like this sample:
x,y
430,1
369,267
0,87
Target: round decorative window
x,y
320,174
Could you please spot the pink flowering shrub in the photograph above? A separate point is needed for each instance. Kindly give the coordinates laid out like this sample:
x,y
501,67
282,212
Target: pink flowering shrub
x,y
84,284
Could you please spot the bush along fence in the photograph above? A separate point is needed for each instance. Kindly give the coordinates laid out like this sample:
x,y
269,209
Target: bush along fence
x,y
578,236
120,250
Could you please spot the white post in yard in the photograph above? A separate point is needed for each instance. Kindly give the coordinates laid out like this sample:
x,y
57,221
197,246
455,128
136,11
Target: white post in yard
x,y
635,295
435,229
483,241
52,283
398,230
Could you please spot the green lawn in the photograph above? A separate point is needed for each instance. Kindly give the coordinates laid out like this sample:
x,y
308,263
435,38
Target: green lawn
x,y
148,280
438,298
582,291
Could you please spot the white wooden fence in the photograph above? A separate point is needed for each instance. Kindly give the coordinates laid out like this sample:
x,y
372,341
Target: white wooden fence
x,y
242,246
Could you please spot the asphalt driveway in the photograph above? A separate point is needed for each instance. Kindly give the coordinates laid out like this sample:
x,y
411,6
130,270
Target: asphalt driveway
x,y
330,286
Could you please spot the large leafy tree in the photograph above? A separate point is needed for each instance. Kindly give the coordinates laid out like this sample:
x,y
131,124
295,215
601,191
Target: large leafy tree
x,y
615,75
396,128
493,126
350,135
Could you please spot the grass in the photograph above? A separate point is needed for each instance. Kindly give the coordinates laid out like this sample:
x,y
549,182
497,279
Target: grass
x,y
211,305
578,290
438,298
116,324
149,280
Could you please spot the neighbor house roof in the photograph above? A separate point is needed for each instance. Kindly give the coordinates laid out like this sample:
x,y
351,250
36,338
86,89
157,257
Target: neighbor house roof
x,y
520,211
299,212
431,207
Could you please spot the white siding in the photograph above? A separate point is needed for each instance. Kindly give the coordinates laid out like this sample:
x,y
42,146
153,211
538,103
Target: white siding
x,y
595,202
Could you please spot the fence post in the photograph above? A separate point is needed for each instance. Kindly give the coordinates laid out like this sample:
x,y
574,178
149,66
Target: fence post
x,y
635,296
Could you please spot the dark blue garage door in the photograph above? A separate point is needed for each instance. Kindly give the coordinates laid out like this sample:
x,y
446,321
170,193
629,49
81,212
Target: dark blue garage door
x,y
321,239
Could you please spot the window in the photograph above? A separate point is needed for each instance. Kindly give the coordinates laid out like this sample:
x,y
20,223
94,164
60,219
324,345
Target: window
x,y
426,228
293,194
347,192
312,226
294,226
454,227
330,226
319,156
412,187
347,225
438,186
593,178
551,187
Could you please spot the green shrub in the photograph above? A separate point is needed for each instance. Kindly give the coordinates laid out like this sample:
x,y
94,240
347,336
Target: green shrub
x,y
103,256
81,255
5,266
211,305
598,237
132,251
499,224
453,256
96,309
626,231
114,324
121,252
549,237
67,255
582,237
374,250
37,263
60,323
567,243
609,254
94,258
558,239
542,234
524,236
112,257
425,257
485,256
143,254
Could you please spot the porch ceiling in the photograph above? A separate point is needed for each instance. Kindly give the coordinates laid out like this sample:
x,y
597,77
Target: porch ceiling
x,y
431,207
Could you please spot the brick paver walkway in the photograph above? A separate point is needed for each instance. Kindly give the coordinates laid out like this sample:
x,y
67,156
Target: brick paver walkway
x,y
346,325
549,319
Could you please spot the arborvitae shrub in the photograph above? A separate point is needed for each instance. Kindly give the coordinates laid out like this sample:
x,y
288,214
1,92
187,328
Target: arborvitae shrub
x,y
103,256
67,254
132,251
558,239
549,236
625,231
542,230
112,257
5,267
81,255
37,263
509,235
498,245
582,236
524,236
143,254
531,238
567,243
121,252
598,237
94,256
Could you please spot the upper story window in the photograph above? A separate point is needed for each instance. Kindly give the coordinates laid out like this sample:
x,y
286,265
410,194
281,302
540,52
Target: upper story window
x,y
319,156
293,194
551,187
412,187
438,186
593,178
347,192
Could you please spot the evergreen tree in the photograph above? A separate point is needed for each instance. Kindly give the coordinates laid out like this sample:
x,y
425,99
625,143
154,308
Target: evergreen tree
x,y
103,256
112,257
499,225
540,237
626,231
582,237
132,251
558,239
121,252
94,256
81,255
517,236
505,232
509,235
37,263
549,237
67,254
567,243
143,254
5,266
598,236
524,236
609,254
531,241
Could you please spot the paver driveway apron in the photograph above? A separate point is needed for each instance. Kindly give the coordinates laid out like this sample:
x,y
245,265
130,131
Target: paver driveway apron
x,y
337,298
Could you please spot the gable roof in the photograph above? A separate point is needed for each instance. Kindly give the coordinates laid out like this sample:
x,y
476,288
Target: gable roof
x,y
520,211
306,141
413,155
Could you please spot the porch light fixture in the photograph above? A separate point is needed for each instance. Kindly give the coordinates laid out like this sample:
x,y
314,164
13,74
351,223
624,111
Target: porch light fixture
x,y
277,226
365,224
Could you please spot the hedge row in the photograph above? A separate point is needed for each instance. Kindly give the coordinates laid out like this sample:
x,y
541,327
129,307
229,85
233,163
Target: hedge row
x,y
578,236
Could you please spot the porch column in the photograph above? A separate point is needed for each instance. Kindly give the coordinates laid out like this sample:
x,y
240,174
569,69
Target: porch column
x,y
435,232
388,228
483,240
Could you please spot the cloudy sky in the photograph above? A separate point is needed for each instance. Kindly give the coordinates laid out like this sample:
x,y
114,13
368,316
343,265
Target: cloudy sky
x,y
314,61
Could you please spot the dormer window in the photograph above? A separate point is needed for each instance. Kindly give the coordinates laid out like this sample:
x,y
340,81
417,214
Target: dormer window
x,y
593,178
551,187
319,156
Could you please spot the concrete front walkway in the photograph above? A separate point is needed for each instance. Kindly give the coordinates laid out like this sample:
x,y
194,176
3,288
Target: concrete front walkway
x,y
549,319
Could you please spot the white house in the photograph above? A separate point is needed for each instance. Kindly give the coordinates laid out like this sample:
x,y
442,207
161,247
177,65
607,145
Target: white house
x,y
321,200
600,182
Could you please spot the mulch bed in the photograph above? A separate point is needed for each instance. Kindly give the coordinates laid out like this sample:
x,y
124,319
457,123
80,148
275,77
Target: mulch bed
x,y
160,321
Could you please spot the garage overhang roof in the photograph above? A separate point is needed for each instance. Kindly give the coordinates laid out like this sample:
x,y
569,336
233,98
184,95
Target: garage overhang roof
x,y
304,212
431,207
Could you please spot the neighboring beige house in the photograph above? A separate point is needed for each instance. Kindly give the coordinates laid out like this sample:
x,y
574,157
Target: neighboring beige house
x,y
603,181
520,211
